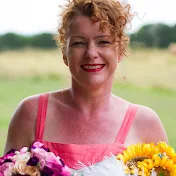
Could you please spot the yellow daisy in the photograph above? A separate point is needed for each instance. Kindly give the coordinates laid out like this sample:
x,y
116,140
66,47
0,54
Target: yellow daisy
x,y
161,164
135,153
166,150
148,160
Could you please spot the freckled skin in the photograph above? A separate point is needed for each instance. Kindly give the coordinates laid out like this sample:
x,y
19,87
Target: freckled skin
x,y
87,112
86,44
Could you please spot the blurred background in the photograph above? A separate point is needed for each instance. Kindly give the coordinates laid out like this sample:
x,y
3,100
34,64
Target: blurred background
x,y
30,62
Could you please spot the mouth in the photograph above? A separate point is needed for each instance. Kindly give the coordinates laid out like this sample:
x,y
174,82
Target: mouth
x,y
92,67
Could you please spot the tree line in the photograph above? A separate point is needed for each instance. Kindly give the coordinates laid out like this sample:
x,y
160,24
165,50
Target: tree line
x,y
154,35
10,41
150,35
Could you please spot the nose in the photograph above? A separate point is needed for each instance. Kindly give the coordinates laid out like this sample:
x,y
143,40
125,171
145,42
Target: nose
x,y
91,51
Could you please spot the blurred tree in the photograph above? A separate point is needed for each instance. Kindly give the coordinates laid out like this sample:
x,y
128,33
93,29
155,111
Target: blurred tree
x,y
163,35
155,35
44,40
12,41
150,35
173,33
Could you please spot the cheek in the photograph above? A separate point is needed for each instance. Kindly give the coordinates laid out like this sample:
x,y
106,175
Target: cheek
x,y
73,62
110,55
75,55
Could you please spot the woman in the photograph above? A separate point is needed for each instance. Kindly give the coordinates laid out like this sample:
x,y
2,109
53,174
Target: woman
x,y
86,122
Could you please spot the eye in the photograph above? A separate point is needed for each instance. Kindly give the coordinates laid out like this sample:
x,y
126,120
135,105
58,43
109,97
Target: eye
x,y
78,44
104,42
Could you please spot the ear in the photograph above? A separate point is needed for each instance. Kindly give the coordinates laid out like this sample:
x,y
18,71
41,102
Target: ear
x,y
119,58
64,57
65,60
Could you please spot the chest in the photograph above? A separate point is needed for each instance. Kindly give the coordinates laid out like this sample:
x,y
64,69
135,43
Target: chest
x,y
70,126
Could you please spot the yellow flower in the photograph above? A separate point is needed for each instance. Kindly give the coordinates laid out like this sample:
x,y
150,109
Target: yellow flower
x,y
160,164
166,150
148,159
137,152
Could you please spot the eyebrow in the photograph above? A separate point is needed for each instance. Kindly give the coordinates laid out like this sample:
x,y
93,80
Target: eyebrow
x,y
99,36
77,36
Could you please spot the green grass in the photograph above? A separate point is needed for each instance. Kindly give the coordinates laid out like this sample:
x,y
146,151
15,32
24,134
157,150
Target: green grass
x,y
13,91
163,101
32,71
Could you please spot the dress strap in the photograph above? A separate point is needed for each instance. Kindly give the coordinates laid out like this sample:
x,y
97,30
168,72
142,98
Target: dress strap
x,y
41,115
124,129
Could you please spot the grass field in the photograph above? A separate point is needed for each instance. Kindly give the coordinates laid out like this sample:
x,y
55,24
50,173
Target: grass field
x,y
150,79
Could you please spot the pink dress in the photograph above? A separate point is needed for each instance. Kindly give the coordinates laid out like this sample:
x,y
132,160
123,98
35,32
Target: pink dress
x,y
87,154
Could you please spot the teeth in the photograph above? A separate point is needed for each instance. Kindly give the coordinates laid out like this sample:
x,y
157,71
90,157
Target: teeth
x,y
93,67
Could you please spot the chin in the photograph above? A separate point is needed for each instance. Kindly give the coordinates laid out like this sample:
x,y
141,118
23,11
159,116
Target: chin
x,y
94,85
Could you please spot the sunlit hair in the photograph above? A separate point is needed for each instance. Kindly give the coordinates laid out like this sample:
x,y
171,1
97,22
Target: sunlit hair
x,y
110,13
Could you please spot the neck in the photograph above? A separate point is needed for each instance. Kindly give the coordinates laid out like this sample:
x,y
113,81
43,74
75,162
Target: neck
x,y
90,100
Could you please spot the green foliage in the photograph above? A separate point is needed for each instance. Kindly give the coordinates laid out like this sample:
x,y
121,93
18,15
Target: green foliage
x,y
12,41
150,35
173,33
155,35
43,41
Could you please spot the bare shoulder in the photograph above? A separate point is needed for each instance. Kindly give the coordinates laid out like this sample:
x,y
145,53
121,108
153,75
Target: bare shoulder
x,y
149,125
146,113
21,131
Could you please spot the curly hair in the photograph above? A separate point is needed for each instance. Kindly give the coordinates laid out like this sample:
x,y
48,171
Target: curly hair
x,y
110,13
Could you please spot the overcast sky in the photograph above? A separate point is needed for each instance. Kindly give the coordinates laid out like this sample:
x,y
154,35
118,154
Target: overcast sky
x,y
36,16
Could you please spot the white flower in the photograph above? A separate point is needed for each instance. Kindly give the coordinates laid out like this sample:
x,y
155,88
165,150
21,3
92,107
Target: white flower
x,y
21,157
24,150
22,168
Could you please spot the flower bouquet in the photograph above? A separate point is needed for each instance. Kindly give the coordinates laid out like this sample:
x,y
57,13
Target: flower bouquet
x,y
149,160
34,161
137,160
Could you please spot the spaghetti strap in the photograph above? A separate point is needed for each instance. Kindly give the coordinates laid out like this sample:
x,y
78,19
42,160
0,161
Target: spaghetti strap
x,y
124,129
41,115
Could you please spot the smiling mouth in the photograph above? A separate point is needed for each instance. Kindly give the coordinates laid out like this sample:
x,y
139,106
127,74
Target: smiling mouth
x,y
92,67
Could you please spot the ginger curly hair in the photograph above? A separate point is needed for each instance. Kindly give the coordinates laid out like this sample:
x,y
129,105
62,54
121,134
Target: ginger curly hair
x,y
110,13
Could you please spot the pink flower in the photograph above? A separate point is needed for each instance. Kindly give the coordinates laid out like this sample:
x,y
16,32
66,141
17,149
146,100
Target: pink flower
x,y
58,169
34,162
24,150
65,171
6,157
42,164
38,145
7,168
53,159
39,153
45,157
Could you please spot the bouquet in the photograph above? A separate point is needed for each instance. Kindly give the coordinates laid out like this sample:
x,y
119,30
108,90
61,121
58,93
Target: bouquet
x,y
149,160
34,161
137,160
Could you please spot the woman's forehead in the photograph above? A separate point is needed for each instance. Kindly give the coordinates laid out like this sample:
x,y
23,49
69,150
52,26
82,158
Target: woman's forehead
x,y
85,25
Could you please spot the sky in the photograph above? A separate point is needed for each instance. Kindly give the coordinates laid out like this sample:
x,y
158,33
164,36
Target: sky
x,y
28,17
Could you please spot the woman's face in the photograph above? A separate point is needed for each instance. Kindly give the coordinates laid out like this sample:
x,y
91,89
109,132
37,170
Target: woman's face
x,y
90,53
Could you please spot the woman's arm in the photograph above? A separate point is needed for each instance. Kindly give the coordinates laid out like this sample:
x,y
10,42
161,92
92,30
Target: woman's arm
x,y
21,131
